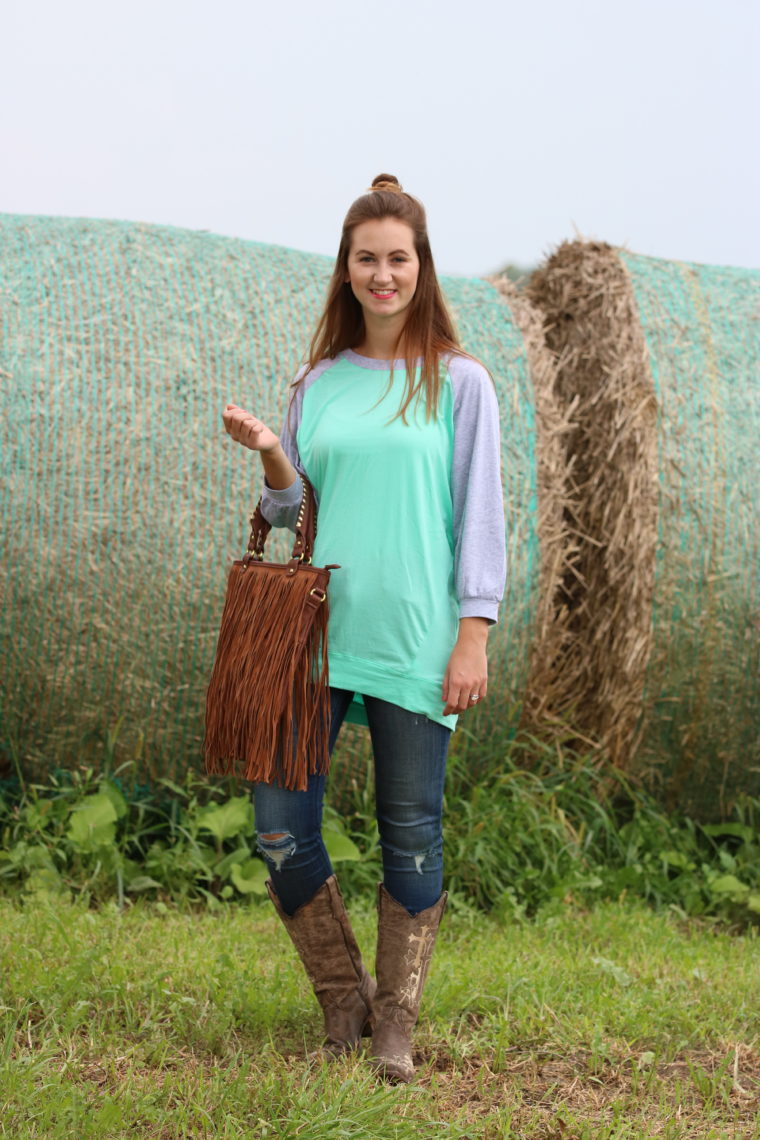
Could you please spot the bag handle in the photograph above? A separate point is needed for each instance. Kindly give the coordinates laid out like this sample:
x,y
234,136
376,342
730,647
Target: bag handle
x,y
306,530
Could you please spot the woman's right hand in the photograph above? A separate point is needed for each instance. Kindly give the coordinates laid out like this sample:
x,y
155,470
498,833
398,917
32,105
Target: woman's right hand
x,y
244,428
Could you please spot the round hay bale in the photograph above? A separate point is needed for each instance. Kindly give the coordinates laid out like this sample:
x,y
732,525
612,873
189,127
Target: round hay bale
x,y
658,362
124,500
120,345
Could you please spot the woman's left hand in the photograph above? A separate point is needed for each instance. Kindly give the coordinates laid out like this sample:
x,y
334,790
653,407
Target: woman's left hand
x,y
465,682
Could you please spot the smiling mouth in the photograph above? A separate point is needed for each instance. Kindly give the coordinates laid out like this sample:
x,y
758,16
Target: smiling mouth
x,y
383,292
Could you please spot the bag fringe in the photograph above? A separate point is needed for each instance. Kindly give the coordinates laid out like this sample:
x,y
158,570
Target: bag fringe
x,y
267,704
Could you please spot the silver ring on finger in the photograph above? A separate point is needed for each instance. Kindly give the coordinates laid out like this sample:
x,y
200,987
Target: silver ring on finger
x,y
474,697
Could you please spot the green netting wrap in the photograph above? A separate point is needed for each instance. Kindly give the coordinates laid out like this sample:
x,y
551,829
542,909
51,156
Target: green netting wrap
x,y
701,714
657,371
123,500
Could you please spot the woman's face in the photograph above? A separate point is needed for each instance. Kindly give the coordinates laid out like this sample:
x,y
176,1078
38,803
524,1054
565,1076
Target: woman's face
x,y
383,267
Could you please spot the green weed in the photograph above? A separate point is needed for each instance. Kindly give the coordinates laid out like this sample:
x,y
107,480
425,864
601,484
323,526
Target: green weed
x,y
91,836
525,828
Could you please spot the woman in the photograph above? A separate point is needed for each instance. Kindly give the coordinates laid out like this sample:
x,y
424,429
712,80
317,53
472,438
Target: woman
x,y
397,430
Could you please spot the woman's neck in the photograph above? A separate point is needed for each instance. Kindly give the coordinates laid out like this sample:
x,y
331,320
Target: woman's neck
x,y
382,341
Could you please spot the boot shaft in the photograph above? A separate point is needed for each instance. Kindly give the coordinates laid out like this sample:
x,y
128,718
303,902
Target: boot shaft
x,y
322,935
404,951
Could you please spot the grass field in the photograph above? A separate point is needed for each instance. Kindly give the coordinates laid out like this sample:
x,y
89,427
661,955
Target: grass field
x,y
157,1023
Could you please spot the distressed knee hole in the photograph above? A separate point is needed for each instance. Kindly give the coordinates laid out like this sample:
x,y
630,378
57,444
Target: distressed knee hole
x,y
417,857
276,847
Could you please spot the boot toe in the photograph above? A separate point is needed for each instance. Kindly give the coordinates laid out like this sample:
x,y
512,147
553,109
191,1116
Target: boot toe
x,y
391,1053
398,1069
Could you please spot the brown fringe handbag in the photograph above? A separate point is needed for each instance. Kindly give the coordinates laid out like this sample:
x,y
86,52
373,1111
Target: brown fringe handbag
x,y
268,701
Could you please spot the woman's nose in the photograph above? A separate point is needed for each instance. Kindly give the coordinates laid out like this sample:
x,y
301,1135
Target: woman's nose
x,y
382,273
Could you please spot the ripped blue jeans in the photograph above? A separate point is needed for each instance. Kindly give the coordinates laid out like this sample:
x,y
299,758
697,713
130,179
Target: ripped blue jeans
x,y
410,766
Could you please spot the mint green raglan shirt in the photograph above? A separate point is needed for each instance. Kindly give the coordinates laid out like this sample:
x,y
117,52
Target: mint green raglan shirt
x,y
386,516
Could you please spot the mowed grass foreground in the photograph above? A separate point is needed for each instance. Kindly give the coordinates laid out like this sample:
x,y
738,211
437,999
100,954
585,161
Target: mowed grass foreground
x,y
158,1023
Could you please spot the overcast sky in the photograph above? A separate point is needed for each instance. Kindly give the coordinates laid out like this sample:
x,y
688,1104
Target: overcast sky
x,y
519,125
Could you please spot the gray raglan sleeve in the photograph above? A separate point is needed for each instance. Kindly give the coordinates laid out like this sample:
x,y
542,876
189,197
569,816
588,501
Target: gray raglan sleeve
x,y
480,561
280,508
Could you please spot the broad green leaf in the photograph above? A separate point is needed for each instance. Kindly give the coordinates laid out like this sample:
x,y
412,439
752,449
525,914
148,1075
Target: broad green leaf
x,y
93,822
31,856
223,866
35,814
340,848
250,877
235,817
142,883
44,880
116,798
676,859
729,885
741,830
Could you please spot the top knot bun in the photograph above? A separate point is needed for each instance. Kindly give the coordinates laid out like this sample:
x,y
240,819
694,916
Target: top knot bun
x,y
387,182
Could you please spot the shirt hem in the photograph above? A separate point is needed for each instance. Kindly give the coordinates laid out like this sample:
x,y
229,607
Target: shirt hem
x,y
414,694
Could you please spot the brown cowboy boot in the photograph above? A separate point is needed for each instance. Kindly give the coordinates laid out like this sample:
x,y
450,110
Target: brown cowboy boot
x,y
404,949
322,935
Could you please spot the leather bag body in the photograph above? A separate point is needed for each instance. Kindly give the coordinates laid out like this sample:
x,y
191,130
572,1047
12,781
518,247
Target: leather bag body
x,y
268,703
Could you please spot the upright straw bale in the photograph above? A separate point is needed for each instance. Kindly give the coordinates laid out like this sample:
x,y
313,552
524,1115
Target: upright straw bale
x,y
658,360
122,497
611,503
546,685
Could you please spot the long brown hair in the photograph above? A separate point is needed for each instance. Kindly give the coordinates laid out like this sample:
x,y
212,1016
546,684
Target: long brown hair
x,y
428,330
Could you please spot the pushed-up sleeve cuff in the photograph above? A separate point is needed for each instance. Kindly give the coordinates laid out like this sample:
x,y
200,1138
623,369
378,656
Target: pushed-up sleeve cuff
x,y
280,507
479,607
